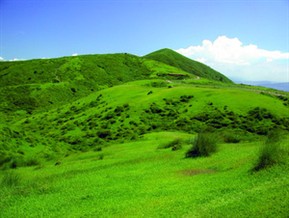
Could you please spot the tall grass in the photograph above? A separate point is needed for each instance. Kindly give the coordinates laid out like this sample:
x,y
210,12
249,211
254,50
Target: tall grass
x,y
271,153
11,179
203,145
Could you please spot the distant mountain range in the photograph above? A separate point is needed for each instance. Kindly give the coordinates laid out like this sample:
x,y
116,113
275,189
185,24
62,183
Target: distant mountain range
x,y
279,86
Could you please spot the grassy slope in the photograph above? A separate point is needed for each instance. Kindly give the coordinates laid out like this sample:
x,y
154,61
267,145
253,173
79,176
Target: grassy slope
x,y
26,86
177,60
138,180
109,113
30,85
126,112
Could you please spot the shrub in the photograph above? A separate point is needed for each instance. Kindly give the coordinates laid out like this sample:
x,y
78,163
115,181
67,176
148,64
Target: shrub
x,y
186,98
271,152
118,110
204,144
105,133
150,92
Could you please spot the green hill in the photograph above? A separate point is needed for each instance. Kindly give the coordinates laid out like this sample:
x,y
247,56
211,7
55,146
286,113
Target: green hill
x,y
127,112
177,60
48,83
114,130
80,103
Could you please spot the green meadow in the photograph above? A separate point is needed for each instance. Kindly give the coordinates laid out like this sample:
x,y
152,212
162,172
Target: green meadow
x,y
110,135
141,179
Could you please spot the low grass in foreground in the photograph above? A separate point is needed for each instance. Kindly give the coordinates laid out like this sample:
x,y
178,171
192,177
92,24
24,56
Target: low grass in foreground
x,y
139,180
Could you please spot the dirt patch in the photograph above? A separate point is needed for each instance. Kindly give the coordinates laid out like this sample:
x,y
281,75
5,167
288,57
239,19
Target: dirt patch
x,y
194,172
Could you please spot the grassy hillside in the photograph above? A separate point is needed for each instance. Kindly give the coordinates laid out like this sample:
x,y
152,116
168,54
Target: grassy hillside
x,y
127,112
107,136
138,179
177,60
26,86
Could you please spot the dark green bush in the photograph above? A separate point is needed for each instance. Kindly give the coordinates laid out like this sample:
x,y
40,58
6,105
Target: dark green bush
x,y
150,92
186,98
204,144
105,133
271,153
155,109
118,110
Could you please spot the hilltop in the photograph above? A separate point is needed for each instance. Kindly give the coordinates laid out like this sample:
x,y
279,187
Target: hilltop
x,y
175,59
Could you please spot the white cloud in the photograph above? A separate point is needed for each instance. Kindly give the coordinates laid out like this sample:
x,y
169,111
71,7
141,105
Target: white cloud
x,y
17,59
245,62
74,54
14,59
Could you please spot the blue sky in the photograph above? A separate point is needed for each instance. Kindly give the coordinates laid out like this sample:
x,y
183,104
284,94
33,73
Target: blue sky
x,y
52,28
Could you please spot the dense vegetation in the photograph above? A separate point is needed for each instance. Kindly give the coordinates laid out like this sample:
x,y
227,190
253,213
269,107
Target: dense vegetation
x,y
111,119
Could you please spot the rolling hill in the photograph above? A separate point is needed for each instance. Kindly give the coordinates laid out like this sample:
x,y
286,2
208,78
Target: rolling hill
x,y
79,103
48,83
98,129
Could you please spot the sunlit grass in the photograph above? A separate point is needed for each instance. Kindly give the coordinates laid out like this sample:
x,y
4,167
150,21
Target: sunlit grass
x,y
138,179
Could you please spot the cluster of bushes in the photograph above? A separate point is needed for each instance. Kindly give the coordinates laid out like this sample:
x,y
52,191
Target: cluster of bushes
x,y
19,98
284,99
110,124
172,116
20,149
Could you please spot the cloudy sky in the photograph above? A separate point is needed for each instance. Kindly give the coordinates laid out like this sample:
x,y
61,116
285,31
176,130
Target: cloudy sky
x,y
244,39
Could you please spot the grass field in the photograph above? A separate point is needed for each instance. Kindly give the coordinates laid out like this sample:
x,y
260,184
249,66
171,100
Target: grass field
x,y
139,179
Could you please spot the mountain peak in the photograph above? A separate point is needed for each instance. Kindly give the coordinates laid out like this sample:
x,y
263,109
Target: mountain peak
x,y
175,59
